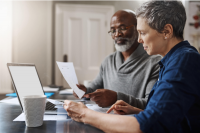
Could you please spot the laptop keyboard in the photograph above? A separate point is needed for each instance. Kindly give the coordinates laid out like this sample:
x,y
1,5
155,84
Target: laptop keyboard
x,y
50,106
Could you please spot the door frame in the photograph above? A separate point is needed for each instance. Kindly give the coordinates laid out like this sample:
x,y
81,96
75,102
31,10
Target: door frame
x,y
108,11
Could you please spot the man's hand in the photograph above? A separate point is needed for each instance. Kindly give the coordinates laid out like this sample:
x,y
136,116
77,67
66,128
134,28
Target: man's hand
x,y
82,87
75,110
103,97
123,108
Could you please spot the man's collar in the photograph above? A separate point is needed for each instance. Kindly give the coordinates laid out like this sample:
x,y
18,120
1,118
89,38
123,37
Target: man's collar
x,y
138,51
120,59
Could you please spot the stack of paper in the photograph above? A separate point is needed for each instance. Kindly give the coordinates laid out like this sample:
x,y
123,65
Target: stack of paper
x,y
48,89
66,91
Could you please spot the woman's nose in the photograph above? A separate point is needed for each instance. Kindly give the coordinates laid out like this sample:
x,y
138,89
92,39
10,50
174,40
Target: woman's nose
x,y
139,39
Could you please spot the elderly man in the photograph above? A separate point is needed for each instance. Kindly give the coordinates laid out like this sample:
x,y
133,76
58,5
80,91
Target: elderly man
x,y
129,73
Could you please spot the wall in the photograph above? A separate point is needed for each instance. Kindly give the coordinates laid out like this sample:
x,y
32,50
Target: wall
x,y
190,31
5,45
33,31
32,35
132,5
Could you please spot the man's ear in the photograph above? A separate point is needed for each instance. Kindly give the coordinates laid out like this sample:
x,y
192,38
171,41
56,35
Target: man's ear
x,y
168,31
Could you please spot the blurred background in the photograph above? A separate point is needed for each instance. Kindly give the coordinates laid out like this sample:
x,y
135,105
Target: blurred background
x,y
43,32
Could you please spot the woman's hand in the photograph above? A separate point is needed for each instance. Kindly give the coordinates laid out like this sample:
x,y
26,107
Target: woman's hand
x,y
123,108
75,110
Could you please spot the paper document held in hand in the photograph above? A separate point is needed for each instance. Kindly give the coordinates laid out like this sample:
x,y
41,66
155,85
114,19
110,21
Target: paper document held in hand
x,y
68,72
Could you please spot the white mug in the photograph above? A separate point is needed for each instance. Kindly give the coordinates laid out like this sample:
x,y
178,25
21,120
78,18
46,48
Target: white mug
x,y
34,107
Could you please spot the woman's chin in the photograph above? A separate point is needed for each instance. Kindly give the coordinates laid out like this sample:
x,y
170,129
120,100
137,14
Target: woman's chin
x,y
149,52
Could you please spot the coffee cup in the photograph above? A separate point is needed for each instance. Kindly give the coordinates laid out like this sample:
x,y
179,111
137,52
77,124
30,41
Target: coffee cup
x,y
34,108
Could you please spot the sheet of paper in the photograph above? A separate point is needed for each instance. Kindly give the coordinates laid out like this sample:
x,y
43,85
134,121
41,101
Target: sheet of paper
x,y
68,72
21,117
95,107
16,101
48,89
54,101
11,101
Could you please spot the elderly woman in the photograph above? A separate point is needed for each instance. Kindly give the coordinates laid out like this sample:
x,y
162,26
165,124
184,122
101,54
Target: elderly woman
x,y
174,102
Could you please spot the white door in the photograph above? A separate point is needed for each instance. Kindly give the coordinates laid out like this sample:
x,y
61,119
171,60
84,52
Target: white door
x,y
81,38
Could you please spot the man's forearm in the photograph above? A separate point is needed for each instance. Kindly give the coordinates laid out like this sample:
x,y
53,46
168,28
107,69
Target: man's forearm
x,y
111,123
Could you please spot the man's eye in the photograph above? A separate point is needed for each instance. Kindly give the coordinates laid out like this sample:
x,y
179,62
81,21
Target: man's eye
x,y
112,30
123,28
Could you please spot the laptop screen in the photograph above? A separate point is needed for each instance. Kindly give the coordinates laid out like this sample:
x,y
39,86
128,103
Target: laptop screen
x,y
26,81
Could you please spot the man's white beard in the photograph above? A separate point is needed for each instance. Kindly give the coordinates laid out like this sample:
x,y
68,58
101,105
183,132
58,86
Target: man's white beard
x,y
124,47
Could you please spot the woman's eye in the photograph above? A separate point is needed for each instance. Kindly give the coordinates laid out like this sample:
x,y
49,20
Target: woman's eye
x,y
142,33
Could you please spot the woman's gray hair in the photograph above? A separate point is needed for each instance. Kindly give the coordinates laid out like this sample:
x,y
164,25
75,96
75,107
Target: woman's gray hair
x,y
160,13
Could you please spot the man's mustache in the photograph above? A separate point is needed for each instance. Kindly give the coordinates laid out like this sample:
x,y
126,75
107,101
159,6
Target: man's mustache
x,y
121,38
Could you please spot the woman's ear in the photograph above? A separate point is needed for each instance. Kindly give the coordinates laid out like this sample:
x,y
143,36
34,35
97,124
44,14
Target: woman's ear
x,y
168,31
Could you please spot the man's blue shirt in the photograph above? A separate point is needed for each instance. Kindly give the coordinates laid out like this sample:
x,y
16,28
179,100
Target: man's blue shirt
x,y
174,102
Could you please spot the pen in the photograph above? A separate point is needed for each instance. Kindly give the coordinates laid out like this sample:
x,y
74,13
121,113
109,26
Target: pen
x,y
62,104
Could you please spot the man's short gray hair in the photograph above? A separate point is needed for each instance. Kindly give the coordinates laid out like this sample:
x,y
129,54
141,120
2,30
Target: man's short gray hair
x,y
160,13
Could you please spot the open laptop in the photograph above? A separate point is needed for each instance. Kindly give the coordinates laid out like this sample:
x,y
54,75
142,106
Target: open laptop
x,y
27,82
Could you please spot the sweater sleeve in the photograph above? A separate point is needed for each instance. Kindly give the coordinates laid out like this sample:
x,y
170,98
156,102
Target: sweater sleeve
x,y
97,83
141,102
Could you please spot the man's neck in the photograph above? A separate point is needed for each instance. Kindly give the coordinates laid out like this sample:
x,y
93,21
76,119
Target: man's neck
x,y
127,53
